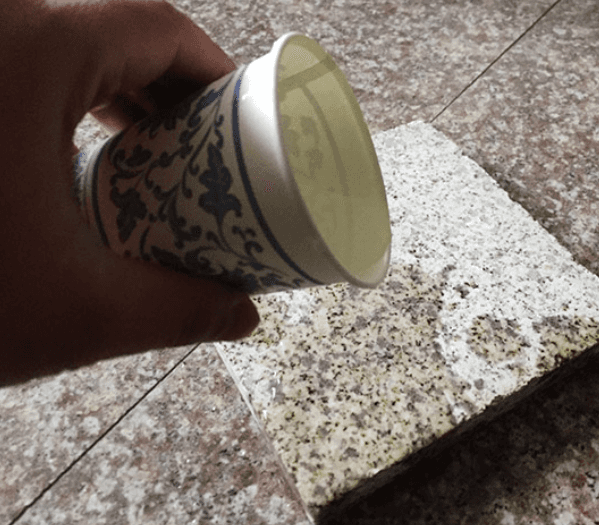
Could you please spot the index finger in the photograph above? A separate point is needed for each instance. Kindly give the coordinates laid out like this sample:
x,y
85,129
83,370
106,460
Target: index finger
x,y
189,60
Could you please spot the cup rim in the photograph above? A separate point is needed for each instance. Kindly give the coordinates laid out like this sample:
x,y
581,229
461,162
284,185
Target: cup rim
x,y
379,268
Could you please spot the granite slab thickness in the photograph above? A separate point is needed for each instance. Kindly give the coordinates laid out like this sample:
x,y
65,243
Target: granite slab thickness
x,y
480,302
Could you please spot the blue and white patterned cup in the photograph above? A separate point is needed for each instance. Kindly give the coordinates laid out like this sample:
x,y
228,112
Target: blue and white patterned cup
x,y
266,180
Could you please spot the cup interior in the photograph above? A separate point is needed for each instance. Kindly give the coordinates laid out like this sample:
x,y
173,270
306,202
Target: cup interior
x,y
332,158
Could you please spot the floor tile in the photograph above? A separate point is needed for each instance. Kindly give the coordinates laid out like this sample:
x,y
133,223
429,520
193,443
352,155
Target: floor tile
x,y
405,60
46,424
191,452
480,301
535,465
531,121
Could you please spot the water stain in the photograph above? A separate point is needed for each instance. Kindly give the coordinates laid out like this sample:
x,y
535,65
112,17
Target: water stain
x,y
363,383
563,338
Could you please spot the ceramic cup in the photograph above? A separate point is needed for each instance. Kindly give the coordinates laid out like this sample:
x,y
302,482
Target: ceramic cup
x,y
266,180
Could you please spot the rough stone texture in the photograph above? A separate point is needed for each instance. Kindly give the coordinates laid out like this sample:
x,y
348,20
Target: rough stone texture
x,y
531,121
537,464
404,60
191,452
47,424
480,301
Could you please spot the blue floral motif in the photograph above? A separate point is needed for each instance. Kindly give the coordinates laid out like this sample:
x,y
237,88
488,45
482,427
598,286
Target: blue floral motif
x,y
272,279
139,156
218,180
246,282
168,260
166,118
131,209
200,266
198,250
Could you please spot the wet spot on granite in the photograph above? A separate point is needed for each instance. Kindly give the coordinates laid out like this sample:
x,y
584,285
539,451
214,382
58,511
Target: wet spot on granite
x,y
350,382
498,341
562,336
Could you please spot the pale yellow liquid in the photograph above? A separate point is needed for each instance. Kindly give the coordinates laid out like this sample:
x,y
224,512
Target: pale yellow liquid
x,y
331,157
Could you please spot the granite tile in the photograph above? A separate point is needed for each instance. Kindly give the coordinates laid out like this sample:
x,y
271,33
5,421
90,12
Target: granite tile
x,y
405,60
531,121
479,303
191,452
536,464
46,424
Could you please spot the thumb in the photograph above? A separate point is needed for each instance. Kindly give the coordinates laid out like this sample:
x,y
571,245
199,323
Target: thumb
x,y
87,305
151,307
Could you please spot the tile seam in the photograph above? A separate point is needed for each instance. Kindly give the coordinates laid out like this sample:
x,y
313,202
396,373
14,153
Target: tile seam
x,y
88,449
497,59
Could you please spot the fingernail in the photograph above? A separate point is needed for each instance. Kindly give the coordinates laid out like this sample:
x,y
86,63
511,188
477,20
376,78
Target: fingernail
x,y
243,320
230,64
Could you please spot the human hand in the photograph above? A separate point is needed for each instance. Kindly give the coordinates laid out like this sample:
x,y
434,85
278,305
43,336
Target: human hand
x,y
66,301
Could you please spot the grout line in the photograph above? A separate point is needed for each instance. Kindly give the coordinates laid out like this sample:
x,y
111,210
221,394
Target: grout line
x,y
99,438
496,59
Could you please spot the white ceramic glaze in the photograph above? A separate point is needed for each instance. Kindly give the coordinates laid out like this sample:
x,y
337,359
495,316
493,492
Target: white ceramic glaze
x,y
266,180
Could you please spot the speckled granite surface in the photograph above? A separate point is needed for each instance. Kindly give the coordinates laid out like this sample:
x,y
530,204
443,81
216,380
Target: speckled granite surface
x,y
405,60
532,122
480,300
535,465
408,61
47,424
189,453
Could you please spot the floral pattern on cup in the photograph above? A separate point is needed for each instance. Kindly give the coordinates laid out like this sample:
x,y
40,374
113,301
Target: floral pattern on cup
x,y
148,194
